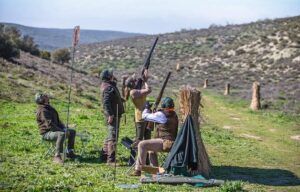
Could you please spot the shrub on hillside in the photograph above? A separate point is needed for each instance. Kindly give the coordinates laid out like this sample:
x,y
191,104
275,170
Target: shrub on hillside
x,y
45,55
61,56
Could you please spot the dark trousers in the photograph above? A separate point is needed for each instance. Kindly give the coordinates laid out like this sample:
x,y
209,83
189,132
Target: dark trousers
x,y
59,137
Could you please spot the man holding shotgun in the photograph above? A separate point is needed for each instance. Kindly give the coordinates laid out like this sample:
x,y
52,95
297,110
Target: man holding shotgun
x,y
138,98
113,110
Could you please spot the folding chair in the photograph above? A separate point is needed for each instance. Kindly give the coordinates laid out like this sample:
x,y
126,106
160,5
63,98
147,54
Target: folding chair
x,y
85,137
127,142
50,147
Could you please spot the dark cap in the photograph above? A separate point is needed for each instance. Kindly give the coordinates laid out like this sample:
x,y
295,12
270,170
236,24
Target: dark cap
x,y
106,74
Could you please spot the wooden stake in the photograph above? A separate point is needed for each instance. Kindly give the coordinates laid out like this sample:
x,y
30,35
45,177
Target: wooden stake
x,y
255,103
227,89
205,83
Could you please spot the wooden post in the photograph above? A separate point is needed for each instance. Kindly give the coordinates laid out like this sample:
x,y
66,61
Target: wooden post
x,y
190,99
178,67
205,83
227,89
255,103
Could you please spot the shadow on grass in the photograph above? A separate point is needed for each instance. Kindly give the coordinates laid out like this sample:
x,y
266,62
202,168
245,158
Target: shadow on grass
x,y
272,177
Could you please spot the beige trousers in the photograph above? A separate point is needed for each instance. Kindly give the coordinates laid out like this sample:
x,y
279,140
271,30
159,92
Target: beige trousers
x,y
152,146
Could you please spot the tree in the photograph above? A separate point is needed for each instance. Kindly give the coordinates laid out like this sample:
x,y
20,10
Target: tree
x,y
8,48
28,45
61,56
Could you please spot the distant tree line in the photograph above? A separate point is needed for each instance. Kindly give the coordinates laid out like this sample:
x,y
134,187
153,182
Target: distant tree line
x,y
12,41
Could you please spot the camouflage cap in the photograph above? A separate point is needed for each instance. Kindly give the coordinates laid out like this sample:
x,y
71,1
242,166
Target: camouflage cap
x,y
39,98
167,102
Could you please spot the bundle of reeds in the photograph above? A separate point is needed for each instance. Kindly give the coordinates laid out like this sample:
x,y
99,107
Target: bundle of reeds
x,y
190,100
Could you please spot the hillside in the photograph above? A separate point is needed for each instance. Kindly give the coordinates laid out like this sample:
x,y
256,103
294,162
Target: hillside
x,y
267,51
52,38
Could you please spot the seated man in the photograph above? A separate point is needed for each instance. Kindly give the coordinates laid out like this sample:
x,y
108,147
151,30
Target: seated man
x,y
52,129
167,126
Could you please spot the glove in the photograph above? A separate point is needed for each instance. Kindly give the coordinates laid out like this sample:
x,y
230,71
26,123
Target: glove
x,y
148,105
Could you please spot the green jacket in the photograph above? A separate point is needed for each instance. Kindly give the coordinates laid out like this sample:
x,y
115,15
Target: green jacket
x,y
110,98
48,120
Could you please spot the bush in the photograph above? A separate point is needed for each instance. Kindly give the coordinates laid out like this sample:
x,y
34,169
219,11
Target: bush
x,y
45,55
61,56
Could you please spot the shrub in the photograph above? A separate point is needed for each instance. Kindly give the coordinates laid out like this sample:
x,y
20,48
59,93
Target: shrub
x,y
61,56
45,55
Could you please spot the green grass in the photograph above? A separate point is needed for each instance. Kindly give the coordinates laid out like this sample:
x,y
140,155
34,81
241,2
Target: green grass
x,y
268,162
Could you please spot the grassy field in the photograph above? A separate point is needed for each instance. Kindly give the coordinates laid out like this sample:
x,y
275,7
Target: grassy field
x,y
253,151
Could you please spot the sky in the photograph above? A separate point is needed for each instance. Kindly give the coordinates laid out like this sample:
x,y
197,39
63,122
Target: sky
x,y
143,16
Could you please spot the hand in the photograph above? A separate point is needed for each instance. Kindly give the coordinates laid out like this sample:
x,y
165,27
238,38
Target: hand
x,y
145,75
148,105
110,119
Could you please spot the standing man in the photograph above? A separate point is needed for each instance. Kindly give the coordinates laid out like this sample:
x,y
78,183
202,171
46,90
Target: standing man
x,y
138,97
111,99
52,129
167,126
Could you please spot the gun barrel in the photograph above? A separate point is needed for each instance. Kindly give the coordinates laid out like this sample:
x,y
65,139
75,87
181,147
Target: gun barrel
x,y
157,101
148,58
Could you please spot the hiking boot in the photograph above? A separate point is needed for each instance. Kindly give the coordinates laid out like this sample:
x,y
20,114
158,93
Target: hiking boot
x,y
72,155
136,173
103,156
58,160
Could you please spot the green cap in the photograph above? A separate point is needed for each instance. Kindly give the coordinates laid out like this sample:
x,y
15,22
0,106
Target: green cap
x,y
167,102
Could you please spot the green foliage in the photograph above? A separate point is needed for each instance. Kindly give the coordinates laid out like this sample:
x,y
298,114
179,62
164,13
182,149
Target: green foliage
x,y
61,56
45,55
236,186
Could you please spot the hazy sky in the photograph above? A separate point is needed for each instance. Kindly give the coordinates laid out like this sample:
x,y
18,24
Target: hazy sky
x,y
144,16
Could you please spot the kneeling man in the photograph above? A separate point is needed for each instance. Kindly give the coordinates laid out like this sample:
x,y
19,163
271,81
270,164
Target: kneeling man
x,y
52,129
167,126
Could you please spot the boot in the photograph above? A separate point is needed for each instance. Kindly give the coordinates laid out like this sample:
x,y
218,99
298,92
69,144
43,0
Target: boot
x,y
58,160
103,156
72,155
111,149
